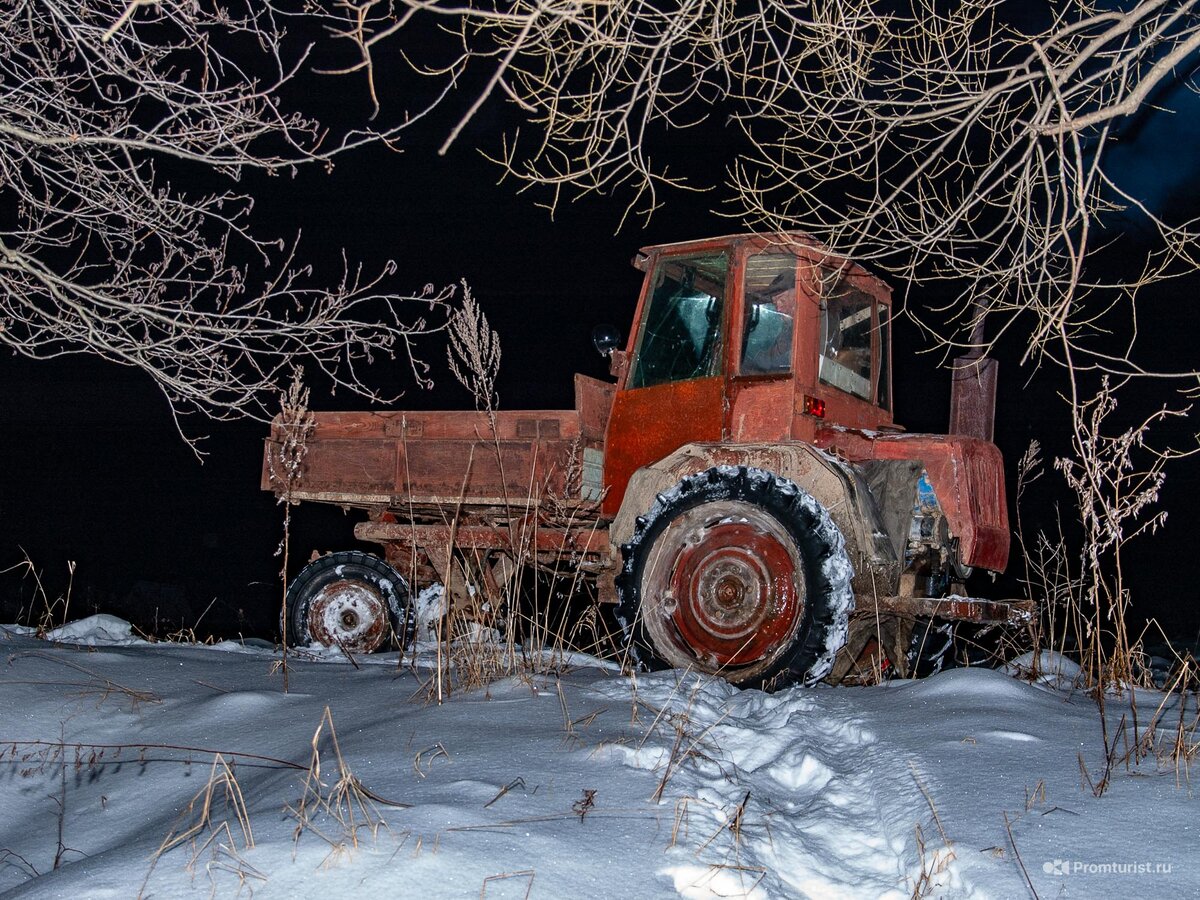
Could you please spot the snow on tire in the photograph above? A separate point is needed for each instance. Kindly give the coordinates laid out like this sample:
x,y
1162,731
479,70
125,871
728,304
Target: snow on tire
x,y
740,573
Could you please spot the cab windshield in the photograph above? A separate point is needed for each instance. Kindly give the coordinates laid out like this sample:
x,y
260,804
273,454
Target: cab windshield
x,y
681,331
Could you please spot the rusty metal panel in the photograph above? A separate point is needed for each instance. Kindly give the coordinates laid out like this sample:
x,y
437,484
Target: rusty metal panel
x,y
339,425
453,425
348,466
522,536
472,469
963,609
761,409
652,422
479,471
368,457
966,473
973,397
593,402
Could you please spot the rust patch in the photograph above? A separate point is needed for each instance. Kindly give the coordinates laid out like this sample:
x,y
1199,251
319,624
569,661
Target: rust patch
x,y
349,614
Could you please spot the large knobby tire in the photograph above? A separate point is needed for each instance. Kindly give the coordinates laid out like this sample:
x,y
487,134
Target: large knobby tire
x,y
351,600
737,572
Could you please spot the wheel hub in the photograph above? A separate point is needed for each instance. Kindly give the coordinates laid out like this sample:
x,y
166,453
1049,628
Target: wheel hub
x,y
736,583
729,593
350,614
726,591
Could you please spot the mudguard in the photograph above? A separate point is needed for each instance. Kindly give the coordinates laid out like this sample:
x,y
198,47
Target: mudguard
x,y
836,485
966,473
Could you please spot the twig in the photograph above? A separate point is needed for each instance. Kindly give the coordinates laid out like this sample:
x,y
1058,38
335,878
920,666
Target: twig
x,y
516,782
1017,853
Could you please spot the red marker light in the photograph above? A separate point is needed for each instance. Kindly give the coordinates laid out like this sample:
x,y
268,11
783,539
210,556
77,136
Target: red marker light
x,y
814,406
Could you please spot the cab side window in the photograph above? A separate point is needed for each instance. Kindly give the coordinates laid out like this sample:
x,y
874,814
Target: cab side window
x,y
846,340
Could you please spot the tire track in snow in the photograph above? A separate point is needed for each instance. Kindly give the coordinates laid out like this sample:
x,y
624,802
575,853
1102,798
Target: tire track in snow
x,y
780,795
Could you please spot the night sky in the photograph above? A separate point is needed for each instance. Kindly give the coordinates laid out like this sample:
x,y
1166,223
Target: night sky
x,y
95,473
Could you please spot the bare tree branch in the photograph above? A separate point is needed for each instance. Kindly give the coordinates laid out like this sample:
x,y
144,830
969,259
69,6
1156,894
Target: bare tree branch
x,y
105,109
962,143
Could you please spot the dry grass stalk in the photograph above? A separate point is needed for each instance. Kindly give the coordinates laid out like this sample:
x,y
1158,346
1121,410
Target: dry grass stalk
x,y
181,635
53,613
486,633
587,720
197,826
1184,746
474,351
584,804
568,724
679,826
935,863
526,873
1017,855
731,823
708,882
686,745
222,783
99,685
932,806
347,804
515,783
423,761
1172,745
1036,797
295,425
1116,479
1049,575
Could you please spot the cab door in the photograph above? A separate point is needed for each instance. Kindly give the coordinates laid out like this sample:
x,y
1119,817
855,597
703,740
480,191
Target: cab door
x,y
674,390
762,381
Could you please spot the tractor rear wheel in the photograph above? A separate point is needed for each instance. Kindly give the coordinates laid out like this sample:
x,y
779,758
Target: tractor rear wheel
x,y
739,573
348,599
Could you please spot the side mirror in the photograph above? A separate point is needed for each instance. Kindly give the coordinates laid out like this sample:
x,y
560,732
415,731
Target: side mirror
x,y
606,339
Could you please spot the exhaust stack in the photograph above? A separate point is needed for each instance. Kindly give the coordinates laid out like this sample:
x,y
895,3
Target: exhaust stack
x,y
973,396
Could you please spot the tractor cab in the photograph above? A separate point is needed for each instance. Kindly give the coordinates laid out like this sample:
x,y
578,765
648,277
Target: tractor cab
x,y
747,339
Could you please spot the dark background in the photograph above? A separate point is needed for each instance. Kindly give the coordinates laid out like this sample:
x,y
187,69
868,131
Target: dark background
x,y
94,473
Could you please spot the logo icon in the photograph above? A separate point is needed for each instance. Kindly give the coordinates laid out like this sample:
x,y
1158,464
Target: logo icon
x,y
1057,867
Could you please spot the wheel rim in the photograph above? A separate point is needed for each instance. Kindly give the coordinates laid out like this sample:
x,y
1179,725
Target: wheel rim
x,y
348,614
724,589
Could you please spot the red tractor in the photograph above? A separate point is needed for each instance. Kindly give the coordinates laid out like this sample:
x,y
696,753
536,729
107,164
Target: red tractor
x,y
740,493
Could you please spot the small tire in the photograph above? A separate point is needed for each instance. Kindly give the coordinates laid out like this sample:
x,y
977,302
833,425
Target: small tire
x,y
351,600
736,572
930,648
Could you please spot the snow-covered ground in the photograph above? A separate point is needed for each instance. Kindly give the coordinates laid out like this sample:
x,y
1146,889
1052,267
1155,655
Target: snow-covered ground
x,y
581,784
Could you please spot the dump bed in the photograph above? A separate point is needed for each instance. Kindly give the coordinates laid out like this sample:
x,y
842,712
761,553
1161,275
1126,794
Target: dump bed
x,y
423,460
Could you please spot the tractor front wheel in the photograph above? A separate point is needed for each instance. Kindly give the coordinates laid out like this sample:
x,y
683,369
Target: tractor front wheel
x,y
739,573
348,599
